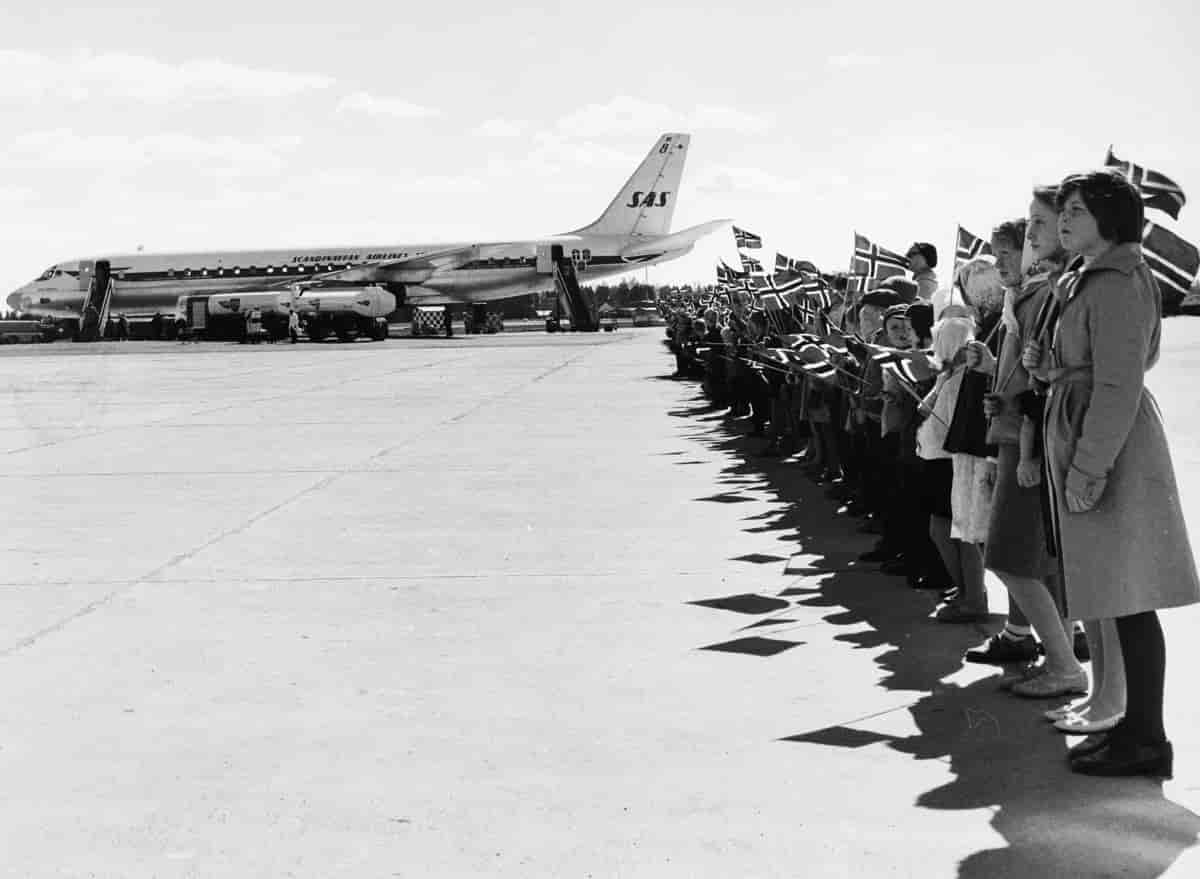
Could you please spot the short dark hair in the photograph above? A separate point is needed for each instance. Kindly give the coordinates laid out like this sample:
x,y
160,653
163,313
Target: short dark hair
x,y
1047,195
1112,200
920,316
1011,232
926,250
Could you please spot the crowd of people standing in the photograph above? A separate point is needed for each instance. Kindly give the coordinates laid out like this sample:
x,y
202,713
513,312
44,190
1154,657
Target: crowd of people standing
x,y
998,423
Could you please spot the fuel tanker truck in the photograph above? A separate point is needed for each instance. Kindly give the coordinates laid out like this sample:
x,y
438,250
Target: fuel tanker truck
x,y
223,315
348,313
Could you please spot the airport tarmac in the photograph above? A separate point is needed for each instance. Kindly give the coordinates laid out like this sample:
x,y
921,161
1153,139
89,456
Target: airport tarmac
x,y
511,605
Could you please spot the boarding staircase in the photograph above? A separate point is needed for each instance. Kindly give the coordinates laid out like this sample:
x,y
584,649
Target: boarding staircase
x,y
99,294
567,285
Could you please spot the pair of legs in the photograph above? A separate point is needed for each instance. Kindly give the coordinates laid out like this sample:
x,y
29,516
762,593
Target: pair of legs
x,y
1107,697
1143,657
964,563
1031,596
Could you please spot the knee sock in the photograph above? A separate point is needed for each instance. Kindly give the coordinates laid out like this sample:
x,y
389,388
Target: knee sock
x,y
1016,618
971,559
1144,654
1013,632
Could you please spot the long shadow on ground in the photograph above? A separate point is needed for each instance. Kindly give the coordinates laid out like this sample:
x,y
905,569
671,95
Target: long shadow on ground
x,y
1000,750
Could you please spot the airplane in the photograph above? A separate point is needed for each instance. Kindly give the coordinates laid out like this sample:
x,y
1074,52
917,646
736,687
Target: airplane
x,y
634,231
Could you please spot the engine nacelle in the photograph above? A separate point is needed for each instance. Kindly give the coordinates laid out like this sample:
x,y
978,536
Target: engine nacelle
x,y
400,291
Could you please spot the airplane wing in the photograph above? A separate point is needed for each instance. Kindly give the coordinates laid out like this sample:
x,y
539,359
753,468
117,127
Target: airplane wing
x,y
416,269
676,241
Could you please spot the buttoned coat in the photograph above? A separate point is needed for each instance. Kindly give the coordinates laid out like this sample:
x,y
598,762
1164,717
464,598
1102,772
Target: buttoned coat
x,y
1105,439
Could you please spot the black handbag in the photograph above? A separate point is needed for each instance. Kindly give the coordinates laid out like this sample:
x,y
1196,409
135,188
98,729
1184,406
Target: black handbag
x,y
967,434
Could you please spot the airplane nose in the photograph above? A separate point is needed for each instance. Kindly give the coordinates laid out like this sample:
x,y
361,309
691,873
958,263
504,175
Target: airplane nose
x,y
14,300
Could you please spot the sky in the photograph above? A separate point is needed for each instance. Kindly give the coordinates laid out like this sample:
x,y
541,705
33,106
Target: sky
x,y
181,126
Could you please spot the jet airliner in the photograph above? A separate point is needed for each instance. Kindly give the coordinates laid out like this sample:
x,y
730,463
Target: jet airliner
x,y
633,231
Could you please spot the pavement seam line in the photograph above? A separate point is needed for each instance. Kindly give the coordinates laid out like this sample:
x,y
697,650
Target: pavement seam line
x,y
166,419
92,606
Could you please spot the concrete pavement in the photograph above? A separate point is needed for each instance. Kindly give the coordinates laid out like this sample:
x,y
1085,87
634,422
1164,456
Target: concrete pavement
x,y
498,606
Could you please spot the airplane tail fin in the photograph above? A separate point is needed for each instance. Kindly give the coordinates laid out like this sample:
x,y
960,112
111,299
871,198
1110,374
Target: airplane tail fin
x,y
646,203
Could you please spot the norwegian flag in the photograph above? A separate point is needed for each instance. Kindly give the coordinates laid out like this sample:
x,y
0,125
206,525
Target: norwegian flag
x,y
745,239
1158,190
913,369
969,247
770,302
802,340
787,265
873,261
883,356
857,284
729,278
822,370
785,356
726,272
750,265
804,293
805,308
1173,261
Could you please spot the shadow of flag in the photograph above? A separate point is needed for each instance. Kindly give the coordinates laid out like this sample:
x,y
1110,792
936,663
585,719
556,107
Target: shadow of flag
x,y
754,646
839,737
726,499
746,603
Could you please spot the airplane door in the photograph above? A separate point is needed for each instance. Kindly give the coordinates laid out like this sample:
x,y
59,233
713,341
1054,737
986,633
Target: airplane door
x,y
545,258
86,267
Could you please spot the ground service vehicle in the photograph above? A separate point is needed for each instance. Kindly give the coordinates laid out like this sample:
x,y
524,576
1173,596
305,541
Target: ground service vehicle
x,y
14,331
227,313
223,315
347,314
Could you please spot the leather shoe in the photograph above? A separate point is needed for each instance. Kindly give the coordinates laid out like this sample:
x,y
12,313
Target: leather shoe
x,y
1077,725
956,612
998,650
1051,686
1119,757
879,554
1092,743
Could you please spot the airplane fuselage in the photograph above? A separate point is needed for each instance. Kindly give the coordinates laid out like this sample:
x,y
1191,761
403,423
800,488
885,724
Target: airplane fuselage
x,y
633,231
144,283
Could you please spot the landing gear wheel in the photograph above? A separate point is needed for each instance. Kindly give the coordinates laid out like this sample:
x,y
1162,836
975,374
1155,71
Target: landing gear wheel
x,y
316,332
347,334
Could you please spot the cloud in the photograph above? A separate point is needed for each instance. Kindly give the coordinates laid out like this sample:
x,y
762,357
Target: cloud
x,y
373,105
85,75
15,196
854,59
67,149
499,128
395,181
728,119
727,179
553,151
625,115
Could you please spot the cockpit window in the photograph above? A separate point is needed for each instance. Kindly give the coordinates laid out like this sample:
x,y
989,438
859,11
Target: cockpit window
x,y
46,275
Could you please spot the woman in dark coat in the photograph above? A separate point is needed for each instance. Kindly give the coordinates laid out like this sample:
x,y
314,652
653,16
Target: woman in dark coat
x,y
1118,517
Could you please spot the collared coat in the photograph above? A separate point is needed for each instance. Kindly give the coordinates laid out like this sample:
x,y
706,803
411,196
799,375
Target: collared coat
x,y
1105,439
926,284
1011,378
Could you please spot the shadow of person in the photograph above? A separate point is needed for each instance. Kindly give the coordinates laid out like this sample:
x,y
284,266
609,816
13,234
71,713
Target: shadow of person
x,y
1001,752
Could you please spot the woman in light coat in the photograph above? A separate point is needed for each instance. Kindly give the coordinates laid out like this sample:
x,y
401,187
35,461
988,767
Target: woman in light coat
x,y
956,523
1118,518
